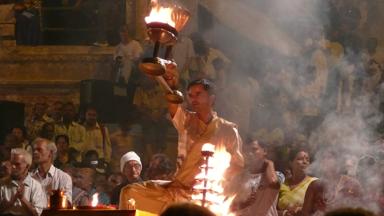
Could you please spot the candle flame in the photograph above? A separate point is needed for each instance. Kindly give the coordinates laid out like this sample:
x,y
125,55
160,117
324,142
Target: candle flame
x,y
95,199
208,147
64,202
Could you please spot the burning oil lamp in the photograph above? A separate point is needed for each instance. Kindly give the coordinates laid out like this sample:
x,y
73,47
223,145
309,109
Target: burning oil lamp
x,y
207,151
95,200
163,24
58,200
209,190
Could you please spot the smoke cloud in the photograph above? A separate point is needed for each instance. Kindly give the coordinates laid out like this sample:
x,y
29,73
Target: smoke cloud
x,y
303,67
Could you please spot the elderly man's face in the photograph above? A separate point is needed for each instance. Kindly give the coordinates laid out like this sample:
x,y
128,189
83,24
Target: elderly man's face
x,y
41,153
132,170
19,167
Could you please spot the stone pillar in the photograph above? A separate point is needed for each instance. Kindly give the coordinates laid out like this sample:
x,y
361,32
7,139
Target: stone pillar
x,y
142,10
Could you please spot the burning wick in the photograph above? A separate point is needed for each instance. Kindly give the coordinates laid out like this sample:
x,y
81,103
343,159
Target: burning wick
x,y
95,199
131,204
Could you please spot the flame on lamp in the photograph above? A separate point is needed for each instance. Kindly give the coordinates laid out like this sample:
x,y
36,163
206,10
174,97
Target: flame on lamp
x,y
64,201
95,199
208,147
216,201
172,15
160,14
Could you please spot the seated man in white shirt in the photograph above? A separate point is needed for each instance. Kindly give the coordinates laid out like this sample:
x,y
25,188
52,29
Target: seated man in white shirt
x,y
50,177
21,194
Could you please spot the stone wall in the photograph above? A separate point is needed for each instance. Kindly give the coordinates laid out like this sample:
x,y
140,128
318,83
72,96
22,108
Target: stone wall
x,y
50,73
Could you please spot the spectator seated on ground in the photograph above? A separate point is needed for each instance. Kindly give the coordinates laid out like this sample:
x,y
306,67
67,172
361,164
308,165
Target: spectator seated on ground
x,y
79,196
62,144
91,159
70,127
96,135
21,194
50,177
85,178
115,179
21,137
130,167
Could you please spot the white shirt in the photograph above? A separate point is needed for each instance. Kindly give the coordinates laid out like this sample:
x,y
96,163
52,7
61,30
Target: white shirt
x,y
130,52
33,193
55,179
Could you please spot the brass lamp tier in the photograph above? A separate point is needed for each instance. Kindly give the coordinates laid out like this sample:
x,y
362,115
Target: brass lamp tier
x,y
153,66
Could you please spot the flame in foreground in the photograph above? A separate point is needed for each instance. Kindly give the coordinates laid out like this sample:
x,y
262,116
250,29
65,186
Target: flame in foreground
x,y
160,14
95,199
64,200
215,200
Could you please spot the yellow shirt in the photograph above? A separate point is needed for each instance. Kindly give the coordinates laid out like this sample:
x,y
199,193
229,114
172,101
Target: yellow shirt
x,y
94,140
75,132
293,197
